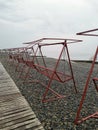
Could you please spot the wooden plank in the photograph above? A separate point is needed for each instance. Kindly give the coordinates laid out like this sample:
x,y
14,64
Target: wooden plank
x,y
17,117
34,123
15,112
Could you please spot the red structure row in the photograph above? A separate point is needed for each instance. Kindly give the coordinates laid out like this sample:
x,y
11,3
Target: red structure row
x,y
33,56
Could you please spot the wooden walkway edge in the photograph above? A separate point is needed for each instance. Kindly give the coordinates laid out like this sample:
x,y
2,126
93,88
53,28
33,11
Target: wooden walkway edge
x,y
15,112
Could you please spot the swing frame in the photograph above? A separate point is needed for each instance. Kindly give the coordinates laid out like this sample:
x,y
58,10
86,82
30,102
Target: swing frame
x,y
52,74
16,57
79,120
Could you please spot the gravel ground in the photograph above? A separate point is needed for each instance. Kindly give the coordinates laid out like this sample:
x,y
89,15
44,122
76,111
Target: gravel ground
x,y
60,114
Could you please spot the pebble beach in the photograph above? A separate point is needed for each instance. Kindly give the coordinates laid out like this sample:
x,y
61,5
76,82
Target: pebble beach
x,y
61,113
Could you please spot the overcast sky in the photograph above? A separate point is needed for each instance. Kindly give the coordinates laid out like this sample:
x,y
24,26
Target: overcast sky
x,y
28,20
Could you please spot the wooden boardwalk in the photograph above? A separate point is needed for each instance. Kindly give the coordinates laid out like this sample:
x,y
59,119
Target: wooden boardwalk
x,y
15,112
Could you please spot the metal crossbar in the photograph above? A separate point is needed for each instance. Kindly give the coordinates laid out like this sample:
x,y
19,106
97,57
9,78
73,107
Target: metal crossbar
x,y
87,33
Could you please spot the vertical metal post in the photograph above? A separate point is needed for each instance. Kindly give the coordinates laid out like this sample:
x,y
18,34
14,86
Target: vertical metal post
x,y
77,121
71,69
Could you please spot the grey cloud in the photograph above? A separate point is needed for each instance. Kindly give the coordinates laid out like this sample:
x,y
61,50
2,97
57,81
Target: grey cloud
x,y
24,20
6,5
10,11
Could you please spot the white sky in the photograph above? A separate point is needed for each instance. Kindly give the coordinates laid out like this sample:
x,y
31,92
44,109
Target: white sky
x,y
28,20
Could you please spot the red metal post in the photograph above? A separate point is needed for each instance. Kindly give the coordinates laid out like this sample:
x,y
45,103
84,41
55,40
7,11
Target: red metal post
x,y
94,115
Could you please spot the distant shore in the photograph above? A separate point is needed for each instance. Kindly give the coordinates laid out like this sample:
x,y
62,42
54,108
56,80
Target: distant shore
x,y
85,61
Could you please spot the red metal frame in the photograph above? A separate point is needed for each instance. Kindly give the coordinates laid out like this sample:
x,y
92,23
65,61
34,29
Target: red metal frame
x,y
95,115
52,74
86,33
15,56
79,120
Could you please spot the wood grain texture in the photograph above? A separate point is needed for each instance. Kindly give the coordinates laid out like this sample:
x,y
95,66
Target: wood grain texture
x,y
15,112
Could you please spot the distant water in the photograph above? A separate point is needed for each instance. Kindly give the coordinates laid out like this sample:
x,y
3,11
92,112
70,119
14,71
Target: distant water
x,y
77,57
82,57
